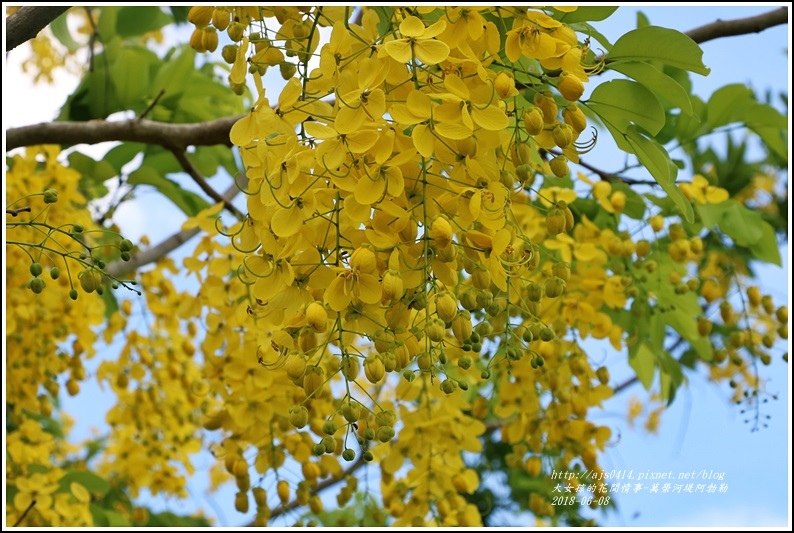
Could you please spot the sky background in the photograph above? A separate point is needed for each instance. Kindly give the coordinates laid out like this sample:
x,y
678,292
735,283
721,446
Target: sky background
x,y
701,430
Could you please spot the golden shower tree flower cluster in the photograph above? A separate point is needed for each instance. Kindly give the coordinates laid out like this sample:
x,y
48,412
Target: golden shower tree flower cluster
x,y
418,276
394,233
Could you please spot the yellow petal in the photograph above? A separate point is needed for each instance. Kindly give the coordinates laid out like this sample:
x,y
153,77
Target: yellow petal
x,y
337,296
512,46
362,140
368,289
419,104
80,492
456,86
349,120
399,50
358,212
319,131
244,130
412,27
453,130
491,118
369,191
423,138
434,30
431,52
715,195
287,222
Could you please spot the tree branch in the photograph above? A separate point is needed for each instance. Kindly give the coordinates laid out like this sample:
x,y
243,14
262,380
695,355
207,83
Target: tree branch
x,y
119,268
281,509
27,22
193,172
728,28
169,136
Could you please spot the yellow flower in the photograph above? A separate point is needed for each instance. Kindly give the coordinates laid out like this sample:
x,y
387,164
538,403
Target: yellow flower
x,y
703,192
417,42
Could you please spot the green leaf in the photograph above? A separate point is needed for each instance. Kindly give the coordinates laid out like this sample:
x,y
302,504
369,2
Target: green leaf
x,y
111,304
92,482
741,224
116,519
120,155
98,171
175,73
130,75
180,13
711,214
643,361
93,174
670,376
585,13
169,519
688,126
60,30
668,46
657,81
137,20
766,248
623,102
729,104
587,29
642,20
189,202
106,25
99,516
656,159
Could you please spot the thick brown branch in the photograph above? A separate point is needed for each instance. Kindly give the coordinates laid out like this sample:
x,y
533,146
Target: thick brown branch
x,y
193,172
27,22
120,269
728,28
170,136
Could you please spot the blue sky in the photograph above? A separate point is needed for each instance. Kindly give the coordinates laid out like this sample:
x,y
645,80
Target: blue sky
x,y
701,431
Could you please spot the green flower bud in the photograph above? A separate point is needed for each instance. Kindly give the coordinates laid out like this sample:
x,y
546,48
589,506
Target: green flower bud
x,y
50,196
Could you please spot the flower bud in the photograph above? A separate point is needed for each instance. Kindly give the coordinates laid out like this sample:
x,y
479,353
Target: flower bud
x,y
241,502
392,285
461,326
295,366
221,17
313,380
235,31
317,317
574,117
200,15
533,120
374,368
209,39
50,196
504,84
90,279
363,260
559,166
436,330
570,86
446,306
554,287
287,69
555,221
562,135
441,232
545,101
229,53
298,416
